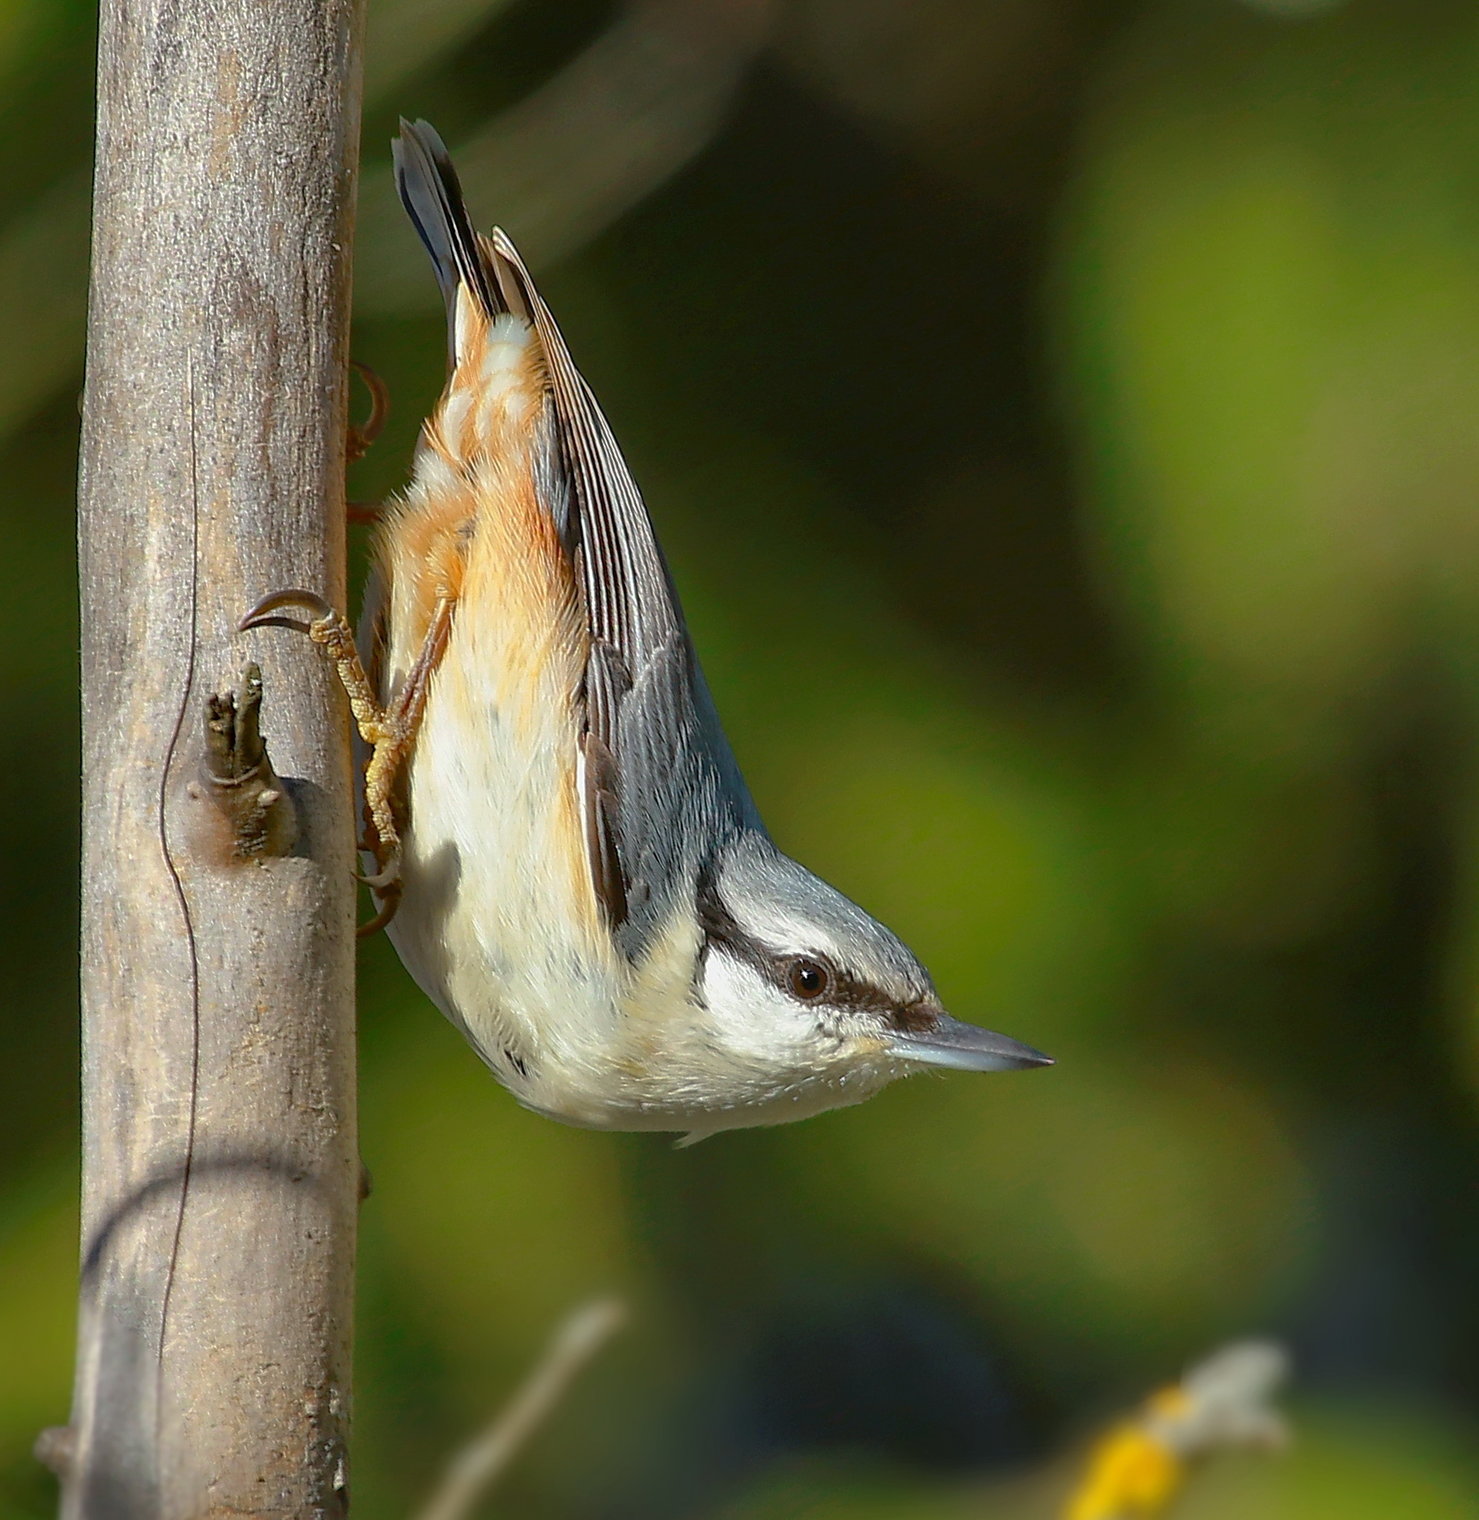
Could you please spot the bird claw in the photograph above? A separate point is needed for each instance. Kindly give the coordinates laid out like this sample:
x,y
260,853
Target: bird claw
x,y
359,437
385,883
261,615
390,900
386,878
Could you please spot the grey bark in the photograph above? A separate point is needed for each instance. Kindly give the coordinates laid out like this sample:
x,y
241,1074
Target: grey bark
x,y
220,1169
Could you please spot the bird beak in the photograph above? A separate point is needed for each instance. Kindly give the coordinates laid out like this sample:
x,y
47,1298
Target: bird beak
x,y
964,1047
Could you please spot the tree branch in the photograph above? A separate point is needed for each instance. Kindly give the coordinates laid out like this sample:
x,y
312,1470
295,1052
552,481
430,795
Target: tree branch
x,y
220,1168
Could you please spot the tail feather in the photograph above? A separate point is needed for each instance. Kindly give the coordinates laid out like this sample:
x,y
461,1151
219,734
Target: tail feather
x,y
432,197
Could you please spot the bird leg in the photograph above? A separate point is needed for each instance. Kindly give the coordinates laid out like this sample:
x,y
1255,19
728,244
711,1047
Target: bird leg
x,y
389,730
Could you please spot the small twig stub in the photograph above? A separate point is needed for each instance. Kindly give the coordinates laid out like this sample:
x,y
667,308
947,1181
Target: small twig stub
x,y
236,772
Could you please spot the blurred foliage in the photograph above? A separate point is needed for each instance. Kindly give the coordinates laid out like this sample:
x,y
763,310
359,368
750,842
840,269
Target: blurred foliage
x,y
1061,418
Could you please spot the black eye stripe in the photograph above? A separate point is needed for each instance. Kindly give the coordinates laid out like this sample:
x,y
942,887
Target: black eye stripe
x,y
844,991
850,992
720,928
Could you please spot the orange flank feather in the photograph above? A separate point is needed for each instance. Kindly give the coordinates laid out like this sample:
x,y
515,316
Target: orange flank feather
x,y
471,533
479,430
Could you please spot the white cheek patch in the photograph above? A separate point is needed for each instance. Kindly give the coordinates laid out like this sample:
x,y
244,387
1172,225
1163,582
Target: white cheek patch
x,y
756,1018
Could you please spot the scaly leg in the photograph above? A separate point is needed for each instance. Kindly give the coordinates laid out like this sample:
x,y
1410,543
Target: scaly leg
x,y
389,731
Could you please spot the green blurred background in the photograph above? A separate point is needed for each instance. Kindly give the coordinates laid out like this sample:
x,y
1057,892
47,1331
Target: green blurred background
x,y
1063,420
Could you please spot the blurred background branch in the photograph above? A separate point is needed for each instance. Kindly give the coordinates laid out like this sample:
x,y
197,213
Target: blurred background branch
x,y
475,1469
610,128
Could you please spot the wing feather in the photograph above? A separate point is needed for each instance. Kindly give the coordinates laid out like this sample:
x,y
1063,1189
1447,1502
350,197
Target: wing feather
x,y
661,788
679,786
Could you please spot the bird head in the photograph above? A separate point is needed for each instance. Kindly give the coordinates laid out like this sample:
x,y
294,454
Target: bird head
x,y
792,967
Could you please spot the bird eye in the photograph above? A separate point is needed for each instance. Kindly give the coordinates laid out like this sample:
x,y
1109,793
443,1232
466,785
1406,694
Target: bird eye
x,y
806,979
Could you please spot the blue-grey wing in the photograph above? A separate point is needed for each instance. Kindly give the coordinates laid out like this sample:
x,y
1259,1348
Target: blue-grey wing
x,y
661,784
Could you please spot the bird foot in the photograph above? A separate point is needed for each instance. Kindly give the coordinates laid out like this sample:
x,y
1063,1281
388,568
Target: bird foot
x,y
386,731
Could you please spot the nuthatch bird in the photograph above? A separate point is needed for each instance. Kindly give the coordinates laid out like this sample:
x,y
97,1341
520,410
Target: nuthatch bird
x,y
578,876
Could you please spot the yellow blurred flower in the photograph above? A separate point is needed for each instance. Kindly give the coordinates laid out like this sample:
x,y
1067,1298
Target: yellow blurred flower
x,y
1139,1467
